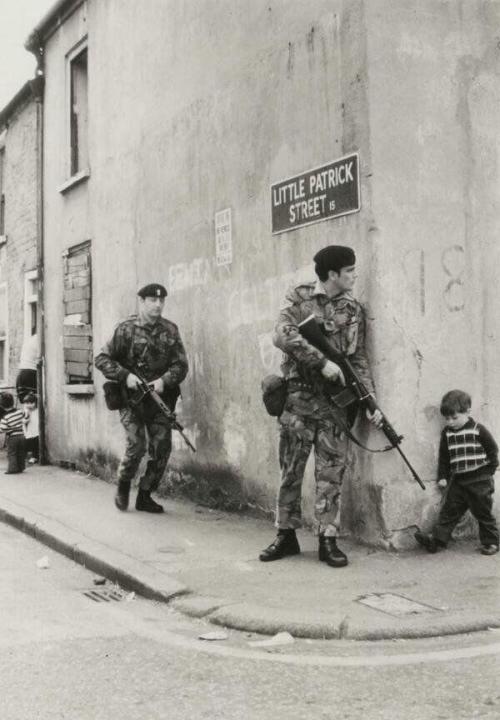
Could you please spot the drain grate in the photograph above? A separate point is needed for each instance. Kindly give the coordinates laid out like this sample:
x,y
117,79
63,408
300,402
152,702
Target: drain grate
x,y
104,595
396,605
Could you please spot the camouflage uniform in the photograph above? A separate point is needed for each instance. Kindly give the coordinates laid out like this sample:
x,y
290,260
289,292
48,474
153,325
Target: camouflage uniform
x,y
309,419
153,351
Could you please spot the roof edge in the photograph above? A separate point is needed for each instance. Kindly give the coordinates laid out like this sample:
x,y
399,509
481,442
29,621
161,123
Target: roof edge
x,y
29,91
49,23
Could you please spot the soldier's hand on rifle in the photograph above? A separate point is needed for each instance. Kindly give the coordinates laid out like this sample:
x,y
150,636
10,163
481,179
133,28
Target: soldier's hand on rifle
x,y
132,381
442,483
157,385
375,417
331,371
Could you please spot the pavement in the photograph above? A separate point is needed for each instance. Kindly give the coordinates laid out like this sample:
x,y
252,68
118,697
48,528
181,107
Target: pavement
x,y
205,563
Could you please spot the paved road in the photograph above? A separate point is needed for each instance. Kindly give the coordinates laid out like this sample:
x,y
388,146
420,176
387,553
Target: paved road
x,y
64,655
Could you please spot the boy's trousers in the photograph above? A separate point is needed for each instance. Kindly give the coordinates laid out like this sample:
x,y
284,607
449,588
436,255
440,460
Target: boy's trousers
x,y
476,496
16,453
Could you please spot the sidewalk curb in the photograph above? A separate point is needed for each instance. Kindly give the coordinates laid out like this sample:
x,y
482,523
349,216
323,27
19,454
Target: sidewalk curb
x,y
128,573
153,584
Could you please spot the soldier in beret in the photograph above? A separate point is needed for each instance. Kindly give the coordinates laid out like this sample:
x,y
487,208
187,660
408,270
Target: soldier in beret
x,y
309,419
150,345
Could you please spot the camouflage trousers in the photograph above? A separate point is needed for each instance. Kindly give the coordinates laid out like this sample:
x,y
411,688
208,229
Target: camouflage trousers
x,y
298,435
159,445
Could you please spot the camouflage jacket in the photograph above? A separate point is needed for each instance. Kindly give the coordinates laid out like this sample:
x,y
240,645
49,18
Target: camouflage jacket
x,y
151,350
343,321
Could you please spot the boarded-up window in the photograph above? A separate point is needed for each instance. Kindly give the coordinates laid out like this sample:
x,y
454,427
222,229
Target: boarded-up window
x,y
77,315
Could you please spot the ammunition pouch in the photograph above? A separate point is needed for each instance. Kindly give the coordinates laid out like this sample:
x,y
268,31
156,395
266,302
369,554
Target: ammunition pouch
x,y
274,392
115,395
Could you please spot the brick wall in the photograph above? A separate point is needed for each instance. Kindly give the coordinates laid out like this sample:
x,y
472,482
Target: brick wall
x,y
18,254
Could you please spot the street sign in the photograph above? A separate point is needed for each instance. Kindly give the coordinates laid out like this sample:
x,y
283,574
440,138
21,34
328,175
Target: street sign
x,y
326,192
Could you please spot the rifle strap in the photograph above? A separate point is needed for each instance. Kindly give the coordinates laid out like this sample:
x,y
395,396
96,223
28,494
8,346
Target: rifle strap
x,y
345,427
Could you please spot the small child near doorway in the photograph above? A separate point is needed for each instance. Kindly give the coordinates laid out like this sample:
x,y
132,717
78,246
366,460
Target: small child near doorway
x,y
30,424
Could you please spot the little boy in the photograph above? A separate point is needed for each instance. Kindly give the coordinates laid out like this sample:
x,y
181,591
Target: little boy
x,y
468,457
30,424
12,425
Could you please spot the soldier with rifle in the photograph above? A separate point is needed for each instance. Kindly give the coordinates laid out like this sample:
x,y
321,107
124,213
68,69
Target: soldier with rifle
x,y
144,363
310,419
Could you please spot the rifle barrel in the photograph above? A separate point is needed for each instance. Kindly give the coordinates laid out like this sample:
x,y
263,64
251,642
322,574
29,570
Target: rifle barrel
x,y
412,469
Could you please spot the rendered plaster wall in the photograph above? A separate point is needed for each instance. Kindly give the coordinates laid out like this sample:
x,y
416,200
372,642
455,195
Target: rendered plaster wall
x,y
215,101
18,253
433,98
70,419
198,107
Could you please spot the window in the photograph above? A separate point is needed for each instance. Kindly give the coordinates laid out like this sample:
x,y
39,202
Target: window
x,y
30,303
78,124
77,332
4,346
2,194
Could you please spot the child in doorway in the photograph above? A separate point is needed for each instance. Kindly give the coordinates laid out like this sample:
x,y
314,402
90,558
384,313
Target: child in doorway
x,y
30,424
468,457
12,425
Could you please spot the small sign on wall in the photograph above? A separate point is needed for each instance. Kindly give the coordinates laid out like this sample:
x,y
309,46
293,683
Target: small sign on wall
x,y
223,237
326,192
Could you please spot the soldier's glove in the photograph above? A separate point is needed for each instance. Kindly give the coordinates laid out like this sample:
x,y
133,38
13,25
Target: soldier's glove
x,y
132,381
331,371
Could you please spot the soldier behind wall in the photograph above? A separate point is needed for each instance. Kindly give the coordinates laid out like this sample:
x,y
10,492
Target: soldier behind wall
x,y
149,345
309,420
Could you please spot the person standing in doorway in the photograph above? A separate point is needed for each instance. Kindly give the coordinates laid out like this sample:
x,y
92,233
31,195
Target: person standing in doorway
x,y
30,424
309,419
26,380
150,346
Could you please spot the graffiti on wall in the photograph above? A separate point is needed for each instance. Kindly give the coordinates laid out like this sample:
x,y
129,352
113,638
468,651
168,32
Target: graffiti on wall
x,y
452,262
186,275
261,301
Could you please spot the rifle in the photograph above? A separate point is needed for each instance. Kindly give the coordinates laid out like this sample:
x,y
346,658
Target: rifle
x,y
147,390
354,391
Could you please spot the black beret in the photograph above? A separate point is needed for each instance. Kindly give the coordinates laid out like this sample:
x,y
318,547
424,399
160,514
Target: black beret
x,y
334,257
152,290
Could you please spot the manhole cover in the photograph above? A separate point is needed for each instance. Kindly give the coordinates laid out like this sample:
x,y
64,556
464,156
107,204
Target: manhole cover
x,y
396,604
104,595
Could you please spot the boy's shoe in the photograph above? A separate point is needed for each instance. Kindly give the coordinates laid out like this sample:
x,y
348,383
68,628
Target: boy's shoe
x,y
429,542
489,549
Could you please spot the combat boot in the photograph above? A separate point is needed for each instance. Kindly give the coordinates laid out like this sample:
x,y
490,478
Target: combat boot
x,y
285,544
122,494
145,502
329,552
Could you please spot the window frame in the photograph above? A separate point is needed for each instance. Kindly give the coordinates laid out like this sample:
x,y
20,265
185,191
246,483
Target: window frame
x,y
76,328
30,299
74,176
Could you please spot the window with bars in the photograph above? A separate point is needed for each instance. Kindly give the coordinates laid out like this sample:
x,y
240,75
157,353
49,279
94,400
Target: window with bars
x,y
77,335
